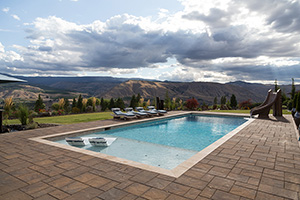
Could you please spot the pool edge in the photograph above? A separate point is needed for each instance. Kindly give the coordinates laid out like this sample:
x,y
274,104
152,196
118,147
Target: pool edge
x,y
176,172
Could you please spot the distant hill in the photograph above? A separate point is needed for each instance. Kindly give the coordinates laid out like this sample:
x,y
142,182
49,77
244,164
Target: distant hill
x,y
110,87
93,86
202,91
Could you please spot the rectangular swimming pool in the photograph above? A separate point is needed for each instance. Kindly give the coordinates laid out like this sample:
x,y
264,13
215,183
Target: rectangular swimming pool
x,y
165,143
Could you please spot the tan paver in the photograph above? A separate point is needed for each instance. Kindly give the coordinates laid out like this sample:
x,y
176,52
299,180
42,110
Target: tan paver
x,y
260,162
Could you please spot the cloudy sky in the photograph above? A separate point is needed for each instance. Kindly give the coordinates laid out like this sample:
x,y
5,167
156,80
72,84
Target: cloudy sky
x,y
184,40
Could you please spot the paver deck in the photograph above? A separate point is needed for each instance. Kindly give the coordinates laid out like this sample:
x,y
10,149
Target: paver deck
x,y
262,161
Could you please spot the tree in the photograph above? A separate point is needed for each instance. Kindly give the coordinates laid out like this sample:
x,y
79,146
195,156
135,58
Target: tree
x,y
215,106
39,104
167,101
74,103
233,101
61,103
66,105
111,104
215,101
103,104
79,103
276,85
293,89
223,100
294,103
192,104
8,105
120,103
84,104
138,98
298,103
133,102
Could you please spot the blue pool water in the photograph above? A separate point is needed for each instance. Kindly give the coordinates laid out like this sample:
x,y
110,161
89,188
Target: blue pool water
x,y
166,143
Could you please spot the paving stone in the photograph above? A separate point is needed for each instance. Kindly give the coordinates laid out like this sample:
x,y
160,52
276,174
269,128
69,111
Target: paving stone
x,y
137,189
272,182
176,188
113,193
87,193
191,182
109,185
220,195
176,197
154,193
221,183
208,192
15,195
158,183
265,196
244,192
85,177
60,182
192,193
219,171
278,191
144,176
59,194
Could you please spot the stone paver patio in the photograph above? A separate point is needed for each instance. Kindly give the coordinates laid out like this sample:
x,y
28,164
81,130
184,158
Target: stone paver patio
x,y
262,161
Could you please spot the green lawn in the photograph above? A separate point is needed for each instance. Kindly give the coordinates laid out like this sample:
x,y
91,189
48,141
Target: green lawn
x,y
88,117
284,111
70,119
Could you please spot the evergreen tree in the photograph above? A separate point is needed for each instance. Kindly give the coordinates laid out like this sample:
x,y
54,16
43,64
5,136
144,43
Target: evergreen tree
x,y
103,104
79,103
233,101
276,85
223,100
111,104
120,103
168,101
295,100
66,105
298,102
138,98
215,101
39,104
74,103
133,102
293,89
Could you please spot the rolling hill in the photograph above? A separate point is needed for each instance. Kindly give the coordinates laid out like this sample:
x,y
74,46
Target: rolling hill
x,y
109,87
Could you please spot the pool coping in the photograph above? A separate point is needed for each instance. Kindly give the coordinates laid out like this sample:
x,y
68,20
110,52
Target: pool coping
x,y
176,172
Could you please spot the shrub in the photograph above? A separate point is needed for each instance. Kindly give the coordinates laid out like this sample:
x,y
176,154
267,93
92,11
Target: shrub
x,y
23,114
192,104
245,104
75,110
8,105
39,104
55,106
298,103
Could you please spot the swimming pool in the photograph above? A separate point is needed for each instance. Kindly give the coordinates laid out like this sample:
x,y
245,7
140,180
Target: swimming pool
x,y
165,143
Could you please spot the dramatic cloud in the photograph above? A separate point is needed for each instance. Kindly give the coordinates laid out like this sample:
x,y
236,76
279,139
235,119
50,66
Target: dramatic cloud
x,y
219,40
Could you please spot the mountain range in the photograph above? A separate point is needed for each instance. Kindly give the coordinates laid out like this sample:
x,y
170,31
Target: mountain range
x,y
110,87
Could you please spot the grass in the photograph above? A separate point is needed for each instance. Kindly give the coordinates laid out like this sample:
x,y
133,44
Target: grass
x,y
88,117
69,119
284,111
